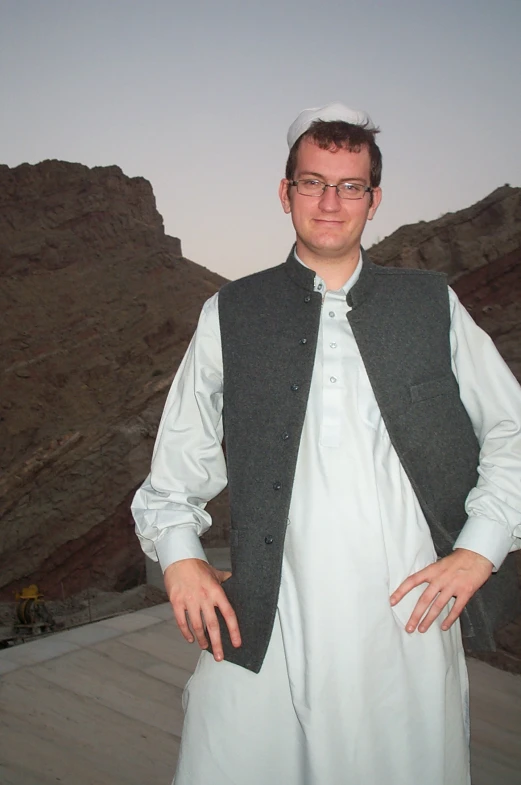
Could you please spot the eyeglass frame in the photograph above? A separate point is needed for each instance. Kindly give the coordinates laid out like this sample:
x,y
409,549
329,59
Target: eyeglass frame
x,y
367,189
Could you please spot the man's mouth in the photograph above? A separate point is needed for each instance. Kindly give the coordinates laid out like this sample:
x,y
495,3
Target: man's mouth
x,y
325,221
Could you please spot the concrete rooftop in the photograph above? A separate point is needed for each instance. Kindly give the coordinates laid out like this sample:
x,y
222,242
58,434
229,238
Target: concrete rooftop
x,y
101,705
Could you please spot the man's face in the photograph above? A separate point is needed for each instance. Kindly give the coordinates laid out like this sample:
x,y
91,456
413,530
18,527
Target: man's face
x,y
328,227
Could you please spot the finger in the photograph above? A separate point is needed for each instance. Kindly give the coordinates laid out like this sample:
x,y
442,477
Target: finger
x,y
424,602
196,622
408,584
454,614
231,621
214,631
182,623
439,604
213,627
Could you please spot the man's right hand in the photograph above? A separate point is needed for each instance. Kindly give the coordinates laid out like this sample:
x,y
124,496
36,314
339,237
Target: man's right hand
x,y
194,588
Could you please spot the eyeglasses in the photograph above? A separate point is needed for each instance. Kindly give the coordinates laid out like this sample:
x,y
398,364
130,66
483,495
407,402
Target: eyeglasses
x,y
344,190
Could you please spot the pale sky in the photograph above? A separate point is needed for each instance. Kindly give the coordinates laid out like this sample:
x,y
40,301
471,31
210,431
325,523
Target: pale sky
x,y
197,96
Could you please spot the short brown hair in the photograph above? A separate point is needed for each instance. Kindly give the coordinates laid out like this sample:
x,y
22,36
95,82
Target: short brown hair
x,y
337,133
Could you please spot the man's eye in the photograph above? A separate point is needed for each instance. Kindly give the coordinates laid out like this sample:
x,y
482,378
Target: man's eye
x,y
311,183
350,187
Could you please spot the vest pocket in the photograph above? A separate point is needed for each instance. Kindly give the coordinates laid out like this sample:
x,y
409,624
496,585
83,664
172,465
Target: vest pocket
x,y
426,390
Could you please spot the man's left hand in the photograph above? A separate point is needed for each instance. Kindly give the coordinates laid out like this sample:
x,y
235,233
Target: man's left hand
x,y
458,575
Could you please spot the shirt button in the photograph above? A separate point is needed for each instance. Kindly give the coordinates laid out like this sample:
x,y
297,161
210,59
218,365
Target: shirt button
x,y
277,486
333,345
307,298
303,340
284,436
320,287
295,387
332,314
332,379
268,539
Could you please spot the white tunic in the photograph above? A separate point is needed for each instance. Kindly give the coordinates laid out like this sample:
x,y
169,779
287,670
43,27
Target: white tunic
x,y
345,695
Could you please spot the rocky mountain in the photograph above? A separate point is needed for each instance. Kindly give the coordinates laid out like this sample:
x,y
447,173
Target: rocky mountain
x,y
97,306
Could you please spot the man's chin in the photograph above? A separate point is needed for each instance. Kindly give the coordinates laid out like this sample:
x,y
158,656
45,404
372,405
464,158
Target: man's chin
x,y
331,246
328,244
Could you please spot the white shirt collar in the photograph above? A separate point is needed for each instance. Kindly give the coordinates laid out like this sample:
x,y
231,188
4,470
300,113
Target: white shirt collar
x,y
320,285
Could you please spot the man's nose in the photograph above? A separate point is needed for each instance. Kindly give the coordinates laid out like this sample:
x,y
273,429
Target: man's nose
x,y
330,200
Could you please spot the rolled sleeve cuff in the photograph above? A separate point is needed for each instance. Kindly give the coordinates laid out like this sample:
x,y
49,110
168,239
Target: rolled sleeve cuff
x,y
179,542
486,537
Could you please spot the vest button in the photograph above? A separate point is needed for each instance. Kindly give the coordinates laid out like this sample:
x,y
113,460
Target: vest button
x,y
303,340
307,298
277,486
268,539
295,387
284,436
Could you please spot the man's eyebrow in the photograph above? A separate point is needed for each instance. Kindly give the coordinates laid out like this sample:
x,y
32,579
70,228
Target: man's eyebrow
x,y
314,174
342,179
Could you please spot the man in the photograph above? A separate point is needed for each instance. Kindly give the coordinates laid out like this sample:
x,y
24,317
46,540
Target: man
x,y
355,407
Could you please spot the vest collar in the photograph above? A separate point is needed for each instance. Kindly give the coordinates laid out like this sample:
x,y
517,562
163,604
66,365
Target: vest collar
x,y
302,276
363,287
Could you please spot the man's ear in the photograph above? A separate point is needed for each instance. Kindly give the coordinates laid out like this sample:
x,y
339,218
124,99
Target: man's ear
x,y
284,195
377,198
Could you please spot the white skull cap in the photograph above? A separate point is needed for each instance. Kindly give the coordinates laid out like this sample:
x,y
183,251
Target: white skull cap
x,y
329,112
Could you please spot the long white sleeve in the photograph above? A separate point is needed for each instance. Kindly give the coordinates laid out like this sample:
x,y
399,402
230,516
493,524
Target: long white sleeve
x,y
188,465
492,398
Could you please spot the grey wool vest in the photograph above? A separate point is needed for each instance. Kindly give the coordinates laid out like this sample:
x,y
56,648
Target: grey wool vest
x,y
269,327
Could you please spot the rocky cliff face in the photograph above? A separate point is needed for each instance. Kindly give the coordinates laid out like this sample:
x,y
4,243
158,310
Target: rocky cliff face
x,y
97,307
458,243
